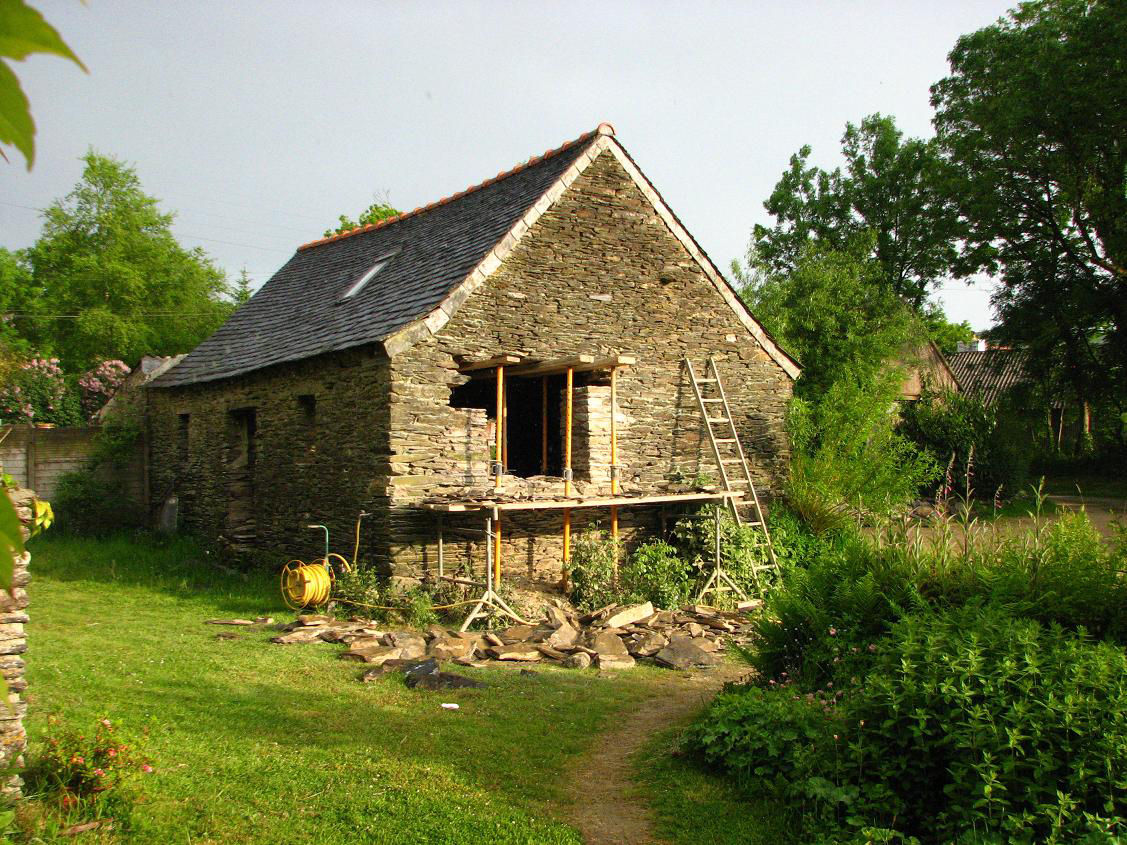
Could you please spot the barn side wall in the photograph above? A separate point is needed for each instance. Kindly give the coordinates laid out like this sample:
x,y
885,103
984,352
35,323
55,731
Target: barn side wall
x,y
598,273
315,460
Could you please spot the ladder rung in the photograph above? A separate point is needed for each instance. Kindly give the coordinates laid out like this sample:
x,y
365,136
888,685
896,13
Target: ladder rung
x,y
731,461
711,400
718,419
706,381
725,440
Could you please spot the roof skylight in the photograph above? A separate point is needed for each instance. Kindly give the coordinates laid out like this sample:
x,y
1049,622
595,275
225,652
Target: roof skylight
x,y
359,284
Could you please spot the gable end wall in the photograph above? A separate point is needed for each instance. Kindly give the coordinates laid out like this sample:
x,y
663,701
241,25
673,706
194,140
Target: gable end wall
x,y
599,273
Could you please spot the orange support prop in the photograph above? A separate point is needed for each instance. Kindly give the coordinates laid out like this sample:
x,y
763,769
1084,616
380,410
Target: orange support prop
x,y
499,447
496,548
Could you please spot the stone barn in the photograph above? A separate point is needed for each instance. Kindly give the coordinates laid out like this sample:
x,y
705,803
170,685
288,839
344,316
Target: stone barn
x,y
519,351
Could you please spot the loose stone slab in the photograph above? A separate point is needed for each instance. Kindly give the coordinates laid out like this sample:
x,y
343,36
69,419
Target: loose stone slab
x,y
579,660
684,653
629,615
516,651
377,655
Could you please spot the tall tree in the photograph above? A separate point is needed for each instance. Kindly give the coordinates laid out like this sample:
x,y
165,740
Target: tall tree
x,y
1033,118
109,279
891,186
833,315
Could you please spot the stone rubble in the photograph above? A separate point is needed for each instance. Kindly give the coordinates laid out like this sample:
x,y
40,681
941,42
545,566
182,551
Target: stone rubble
x,y
611,638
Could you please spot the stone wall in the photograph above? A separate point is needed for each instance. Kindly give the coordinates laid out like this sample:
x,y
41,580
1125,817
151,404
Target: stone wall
x,y
599,273
13,644
318,449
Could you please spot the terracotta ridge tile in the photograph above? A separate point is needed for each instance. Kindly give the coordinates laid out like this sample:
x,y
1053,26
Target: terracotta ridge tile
x,y
359,230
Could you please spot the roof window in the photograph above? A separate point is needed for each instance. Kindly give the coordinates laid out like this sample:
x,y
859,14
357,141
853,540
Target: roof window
x,y
359,284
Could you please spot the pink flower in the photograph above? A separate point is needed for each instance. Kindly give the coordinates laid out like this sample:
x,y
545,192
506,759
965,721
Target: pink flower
x,y
99,773
833,632
106,722
147,769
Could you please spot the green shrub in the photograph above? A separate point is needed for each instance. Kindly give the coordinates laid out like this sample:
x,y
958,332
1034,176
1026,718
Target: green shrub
x,y
656,572
770,739
590,571
971,726
89,500
743,550
361,590
849,460
952,424
975,721
820,622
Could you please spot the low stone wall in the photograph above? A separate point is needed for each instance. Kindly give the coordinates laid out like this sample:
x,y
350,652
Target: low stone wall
x,y
13,644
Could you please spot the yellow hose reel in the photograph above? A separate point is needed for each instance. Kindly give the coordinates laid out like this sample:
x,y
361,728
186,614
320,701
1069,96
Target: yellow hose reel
x,y
311,584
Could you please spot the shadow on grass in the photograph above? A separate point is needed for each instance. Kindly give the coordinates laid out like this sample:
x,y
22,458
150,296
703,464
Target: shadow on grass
x,y
176,566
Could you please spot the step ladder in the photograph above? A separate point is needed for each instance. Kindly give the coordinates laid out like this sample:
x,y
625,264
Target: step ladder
x,y
735,475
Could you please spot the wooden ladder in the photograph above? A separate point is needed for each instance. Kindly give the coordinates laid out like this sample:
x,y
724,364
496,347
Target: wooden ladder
x,y
729,453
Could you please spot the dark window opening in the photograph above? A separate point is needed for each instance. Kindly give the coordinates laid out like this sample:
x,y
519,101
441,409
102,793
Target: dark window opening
x,y
244,427
182,439
307,402
532,449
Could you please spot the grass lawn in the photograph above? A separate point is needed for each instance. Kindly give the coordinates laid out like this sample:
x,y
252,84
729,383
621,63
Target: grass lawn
x,y
1088,486
692,806
256,742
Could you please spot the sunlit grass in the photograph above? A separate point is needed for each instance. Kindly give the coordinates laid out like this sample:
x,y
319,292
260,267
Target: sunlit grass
x,y
256,742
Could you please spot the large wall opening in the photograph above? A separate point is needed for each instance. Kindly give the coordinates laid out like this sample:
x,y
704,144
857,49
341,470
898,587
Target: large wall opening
x,y
533,435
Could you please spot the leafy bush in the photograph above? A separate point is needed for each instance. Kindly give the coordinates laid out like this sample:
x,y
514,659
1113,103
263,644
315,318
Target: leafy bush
x,y
971,726
89,501
975,721
951,425
656,572
849,461
770,739
820,623
88,774
39,392
360,586
590,571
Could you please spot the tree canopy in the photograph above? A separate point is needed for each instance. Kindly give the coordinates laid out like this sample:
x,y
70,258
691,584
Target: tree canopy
x,y
833,314
374,213
893,187
108,280
1033,120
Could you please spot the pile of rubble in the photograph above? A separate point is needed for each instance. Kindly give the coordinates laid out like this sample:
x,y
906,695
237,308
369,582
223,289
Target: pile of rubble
x,y
615,637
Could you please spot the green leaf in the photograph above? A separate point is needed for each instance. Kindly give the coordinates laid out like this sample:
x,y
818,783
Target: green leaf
x,y
16,125
24,31
11,540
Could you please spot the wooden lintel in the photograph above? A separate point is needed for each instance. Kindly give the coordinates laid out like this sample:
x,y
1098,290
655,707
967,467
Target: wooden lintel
x,y
576,363
595,502
506,360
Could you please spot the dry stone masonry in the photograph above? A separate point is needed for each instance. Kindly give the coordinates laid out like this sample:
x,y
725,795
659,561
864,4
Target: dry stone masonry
x,y
13,645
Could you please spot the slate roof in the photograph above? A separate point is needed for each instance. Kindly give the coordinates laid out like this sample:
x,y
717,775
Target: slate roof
x,y
299,312
991,373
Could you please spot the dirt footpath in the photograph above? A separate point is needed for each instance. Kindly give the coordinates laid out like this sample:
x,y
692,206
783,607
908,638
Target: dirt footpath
x,y
602,803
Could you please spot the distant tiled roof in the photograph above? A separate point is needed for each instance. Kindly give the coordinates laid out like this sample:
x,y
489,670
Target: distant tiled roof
x,y
990,373
300,312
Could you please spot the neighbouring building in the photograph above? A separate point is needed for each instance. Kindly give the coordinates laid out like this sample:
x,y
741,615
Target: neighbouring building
x,y
368,373
926,371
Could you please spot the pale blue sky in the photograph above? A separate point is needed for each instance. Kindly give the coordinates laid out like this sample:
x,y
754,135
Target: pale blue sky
x,y
260,122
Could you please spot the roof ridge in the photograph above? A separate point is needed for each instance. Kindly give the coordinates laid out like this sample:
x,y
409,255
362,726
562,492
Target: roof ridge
x,y
601,129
